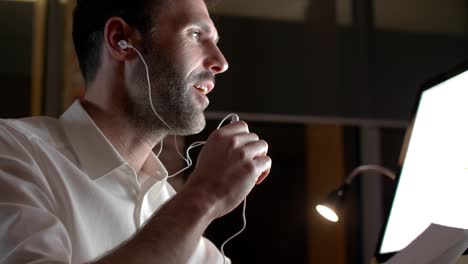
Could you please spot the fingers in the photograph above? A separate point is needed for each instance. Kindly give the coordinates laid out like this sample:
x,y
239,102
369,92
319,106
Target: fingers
x,y
254,149
234,128
264,167
245,147
251,148
236,133
243,139
257,152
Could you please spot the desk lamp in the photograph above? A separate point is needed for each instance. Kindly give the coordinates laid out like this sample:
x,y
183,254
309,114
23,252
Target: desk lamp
x,y
330,207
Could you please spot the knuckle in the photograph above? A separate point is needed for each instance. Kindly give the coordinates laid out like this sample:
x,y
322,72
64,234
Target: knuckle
x,y
250,168
242,154
244,124
255,136
232,142
217,134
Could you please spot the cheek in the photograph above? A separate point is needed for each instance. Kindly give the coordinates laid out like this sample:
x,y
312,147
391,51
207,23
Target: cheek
x,y
135,80
188,58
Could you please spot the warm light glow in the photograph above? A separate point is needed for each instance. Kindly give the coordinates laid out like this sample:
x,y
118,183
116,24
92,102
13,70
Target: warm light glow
x,y
326,212
22,1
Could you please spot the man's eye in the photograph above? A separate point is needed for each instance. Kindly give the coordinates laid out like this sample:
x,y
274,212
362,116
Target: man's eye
x,y
196,35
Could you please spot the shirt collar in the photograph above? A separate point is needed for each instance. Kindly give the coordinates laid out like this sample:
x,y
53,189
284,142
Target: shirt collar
x,y
95,153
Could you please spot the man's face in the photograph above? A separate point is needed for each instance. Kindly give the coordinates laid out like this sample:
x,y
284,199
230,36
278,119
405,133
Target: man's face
x,y
183,58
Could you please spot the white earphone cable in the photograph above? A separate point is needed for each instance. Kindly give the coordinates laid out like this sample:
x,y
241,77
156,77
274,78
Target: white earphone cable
x,y
151,102
187,159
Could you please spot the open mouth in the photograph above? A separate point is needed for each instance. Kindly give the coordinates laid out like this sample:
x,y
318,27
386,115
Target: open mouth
x,y
202,88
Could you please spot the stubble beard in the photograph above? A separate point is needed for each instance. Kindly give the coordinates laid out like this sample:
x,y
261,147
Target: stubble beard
x,y
172,100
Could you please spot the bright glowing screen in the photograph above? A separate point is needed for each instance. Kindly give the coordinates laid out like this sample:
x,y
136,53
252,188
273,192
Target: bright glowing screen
x,y
433,186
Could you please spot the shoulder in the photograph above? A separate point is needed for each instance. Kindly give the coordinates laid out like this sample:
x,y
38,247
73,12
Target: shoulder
x,y
29,148
45,130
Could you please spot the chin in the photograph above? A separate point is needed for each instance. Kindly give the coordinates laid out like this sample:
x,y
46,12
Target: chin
x,y
199,126
195,125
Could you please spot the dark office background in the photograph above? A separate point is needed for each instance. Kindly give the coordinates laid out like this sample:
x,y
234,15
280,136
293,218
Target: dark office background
x,y
329,84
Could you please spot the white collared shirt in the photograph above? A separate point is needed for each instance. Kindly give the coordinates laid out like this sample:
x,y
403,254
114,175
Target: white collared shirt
x,y
68,196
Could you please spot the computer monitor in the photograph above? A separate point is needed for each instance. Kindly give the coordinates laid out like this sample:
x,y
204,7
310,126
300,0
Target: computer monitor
x,y
433,184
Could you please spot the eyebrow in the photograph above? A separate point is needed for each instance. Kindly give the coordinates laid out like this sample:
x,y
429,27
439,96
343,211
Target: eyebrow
x,y
205,27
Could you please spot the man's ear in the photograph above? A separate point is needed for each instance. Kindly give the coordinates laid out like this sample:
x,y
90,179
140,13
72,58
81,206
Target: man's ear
x,y
115,31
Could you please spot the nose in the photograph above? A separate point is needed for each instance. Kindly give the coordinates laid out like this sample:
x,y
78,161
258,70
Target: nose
x,y
216,62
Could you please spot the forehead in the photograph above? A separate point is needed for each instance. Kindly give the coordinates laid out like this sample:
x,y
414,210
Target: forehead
x,y
178,13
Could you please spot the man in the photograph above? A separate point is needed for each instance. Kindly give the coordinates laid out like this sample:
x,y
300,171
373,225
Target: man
x,y
87,187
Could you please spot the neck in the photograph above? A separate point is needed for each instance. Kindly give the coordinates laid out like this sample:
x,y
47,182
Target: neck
x,y
133,143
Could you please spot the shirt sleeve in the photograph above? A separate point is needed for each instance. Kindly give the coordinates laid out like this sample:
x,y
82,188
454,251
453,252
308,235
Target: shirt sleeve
x,y
30,232
206,252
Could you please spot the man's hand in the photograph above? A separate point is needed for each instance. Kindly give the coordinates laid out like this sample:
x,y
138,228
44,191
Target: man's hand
x,y
229,165
232,161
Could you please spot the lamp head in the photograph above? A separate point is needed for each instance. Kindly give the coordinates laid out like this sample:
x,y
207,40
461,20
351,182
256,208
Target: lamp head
x,y
330,207
327,212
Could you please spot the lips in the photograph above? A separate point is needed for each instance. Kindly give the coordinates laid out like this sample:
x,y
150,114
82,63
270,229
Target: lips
x,y
204,87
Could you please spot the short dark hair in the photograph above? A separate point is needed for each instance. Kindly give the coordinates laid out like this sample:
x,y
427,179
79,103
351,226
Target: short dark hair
x,y
89,20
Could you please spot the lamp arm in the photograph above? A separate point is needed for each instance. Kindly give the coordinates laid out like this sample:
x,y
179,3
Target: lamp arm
x,y
369,168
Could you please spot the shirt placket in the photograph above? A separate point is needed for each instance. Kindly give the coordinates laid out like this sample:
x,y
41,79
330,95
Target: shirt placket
x,y
145,187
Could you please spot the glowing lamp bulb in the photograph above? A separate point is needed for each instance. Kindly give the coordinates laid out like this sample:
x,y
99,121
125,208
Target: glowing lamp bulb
x,y
327,213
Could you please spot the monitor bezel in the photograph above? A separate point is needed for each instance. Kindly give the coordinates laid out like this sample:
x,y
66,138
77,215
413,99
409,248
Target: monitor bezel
x,y
458,69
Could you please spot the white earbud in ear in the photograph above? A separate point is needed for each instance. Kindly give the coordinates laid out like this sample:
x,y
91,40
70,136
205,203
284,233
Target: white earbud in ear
x,y
123,44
